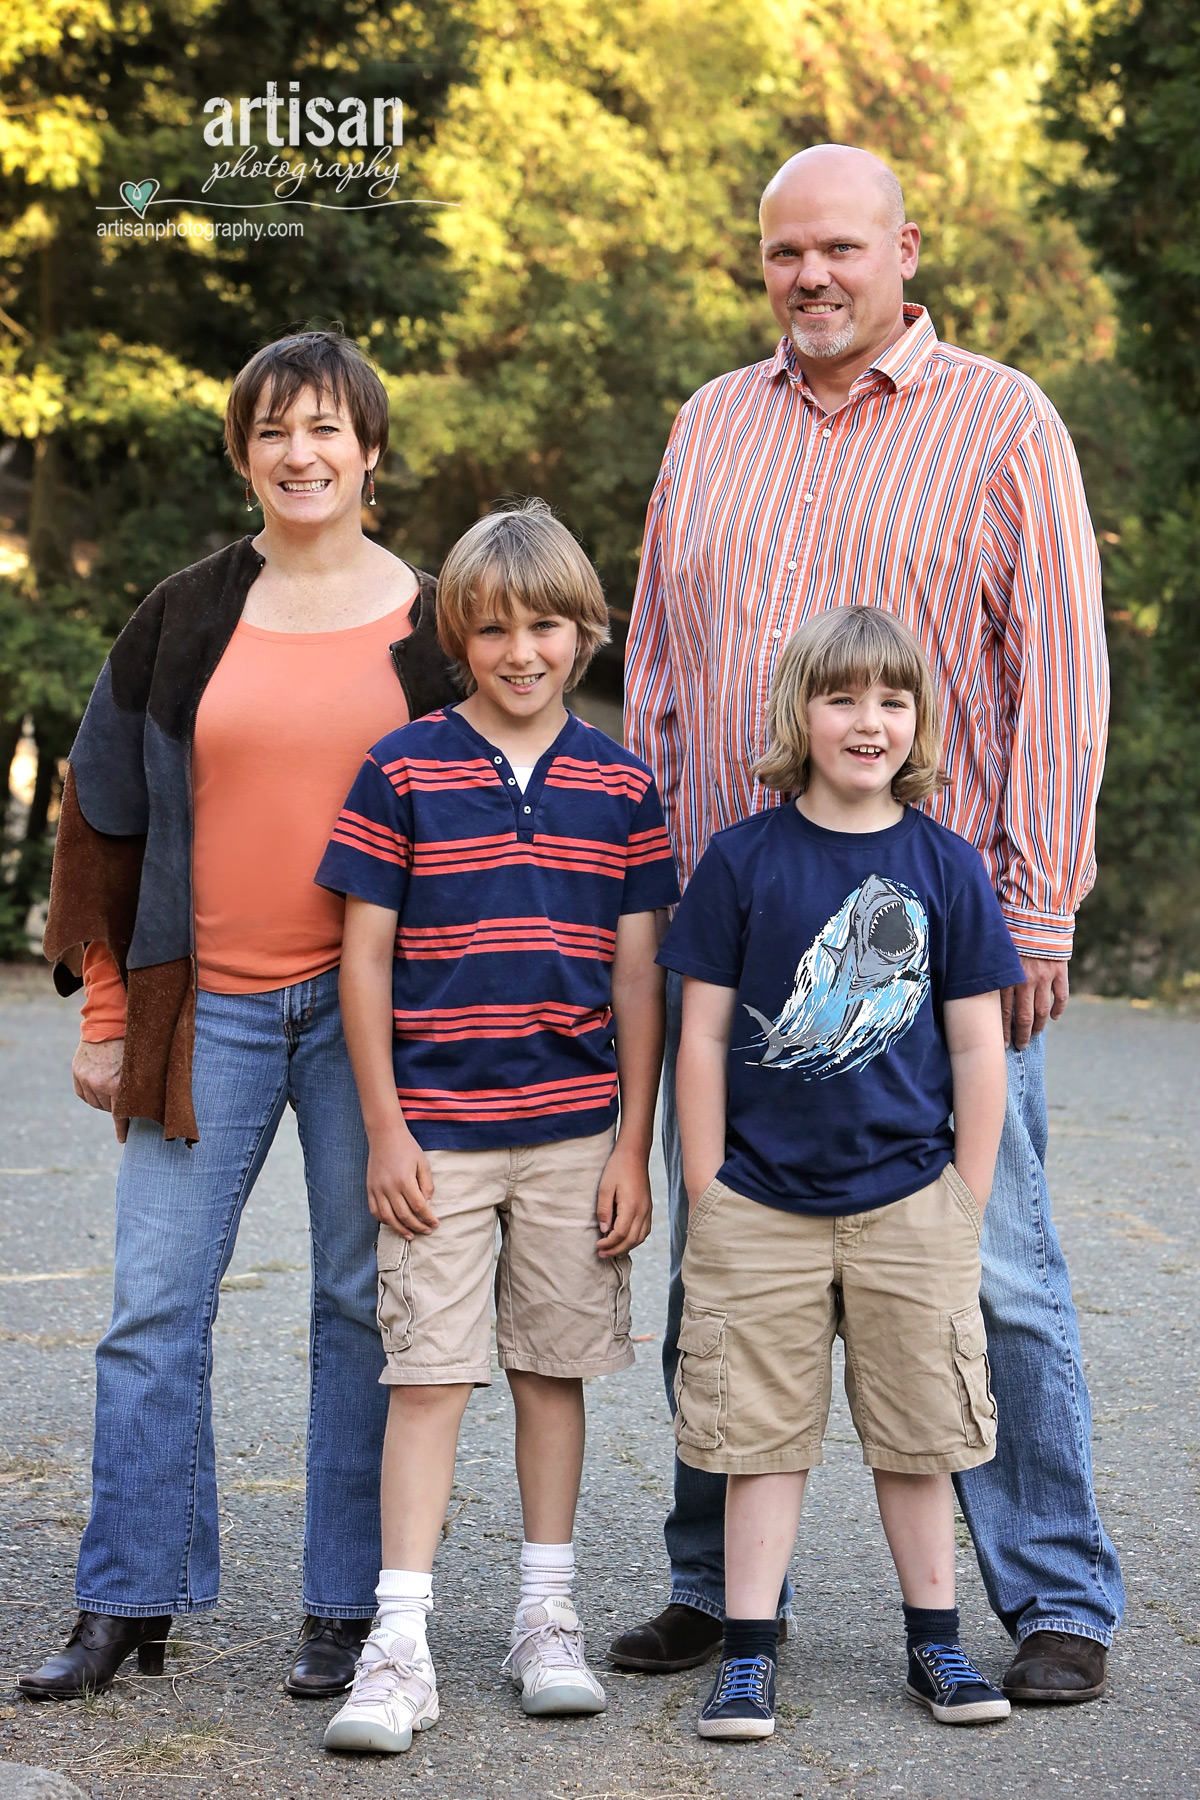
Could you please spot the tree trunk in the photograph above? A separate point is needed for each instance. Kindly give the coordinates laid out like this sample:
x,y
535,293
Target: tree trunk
x,y
51,735
49,532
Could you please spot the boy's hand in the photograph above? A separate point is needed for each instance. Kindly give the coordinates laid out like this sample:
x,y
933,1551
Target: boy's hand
x,y
623,1203
400,1184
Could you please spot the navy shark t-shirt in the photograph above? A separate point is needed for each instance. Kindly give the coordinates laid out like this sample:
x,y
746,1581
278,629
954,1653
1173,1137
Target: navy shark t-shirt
x,y
843,948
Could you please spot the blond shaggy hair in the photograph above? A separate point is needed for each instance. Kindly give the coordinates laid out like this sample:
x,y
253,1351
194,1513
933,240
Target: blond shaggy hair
x,y
519,556
851,647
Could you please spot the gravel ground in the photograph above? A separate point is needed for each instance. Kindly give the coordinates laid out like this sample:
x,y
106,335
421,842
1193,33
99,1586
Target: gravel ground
x,y
1126,1143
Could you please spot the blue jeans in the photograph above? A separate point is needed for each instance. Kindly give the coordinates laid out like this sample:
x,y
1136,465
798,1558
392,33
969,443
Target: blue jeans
x,y
1046,1561
152,1543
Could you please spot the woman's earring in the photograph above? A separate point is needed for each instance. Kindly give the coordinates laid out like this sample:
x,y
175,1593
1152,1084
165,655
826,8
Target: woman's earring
x,y
249,499
371,486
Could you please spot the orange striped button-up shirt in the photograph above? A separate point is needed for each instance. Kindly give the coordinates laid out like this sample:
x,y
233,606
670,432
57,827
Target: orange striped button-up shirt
x,y
946,489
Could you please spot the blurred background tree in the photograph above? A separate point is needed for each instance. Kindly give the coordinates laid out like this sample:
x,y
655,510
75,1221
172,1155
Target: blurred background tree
x,y
115,354
597,262
1126,90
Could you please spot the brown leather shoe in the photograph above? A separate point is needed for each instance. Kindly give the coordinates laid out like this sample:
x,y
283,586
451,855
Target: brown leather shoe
x,y
325,1657
94,1652
1056,1668
681,1637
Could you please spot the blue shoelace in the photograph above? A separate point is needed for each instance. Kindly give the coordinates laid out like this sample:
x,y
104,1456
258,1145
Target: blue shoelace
x,y
950,1667
743,1678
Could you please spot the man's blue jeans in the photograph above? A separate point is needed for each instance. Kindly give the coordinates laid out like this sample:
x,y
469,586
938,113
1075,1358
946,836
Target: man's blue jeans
x,y
1046,1561
152,1542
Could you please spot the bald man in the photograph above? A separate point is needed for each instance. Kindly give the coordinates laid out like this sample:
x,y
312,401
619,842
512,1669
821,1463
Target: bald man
x,y
867,462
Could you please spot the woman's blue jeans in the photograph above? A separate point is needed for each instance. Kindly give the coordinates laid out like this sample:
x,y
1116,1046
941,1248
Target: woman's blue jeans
x,y
1046,1561
152,1543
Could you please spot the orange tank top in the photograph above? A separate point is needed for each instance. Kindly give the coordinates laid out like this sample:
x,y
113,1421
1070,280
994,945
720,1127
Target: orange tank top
x,y
281,731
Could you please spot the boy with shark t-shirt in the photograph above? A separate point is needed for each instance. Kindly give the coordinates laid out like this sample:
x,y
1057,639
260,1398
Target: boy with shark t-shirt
x,y
842,959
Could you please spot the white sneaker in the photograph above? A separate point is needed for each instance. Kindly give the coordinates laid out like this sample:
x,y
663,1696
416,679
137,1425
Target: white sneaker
x,y
546,1661
393,1695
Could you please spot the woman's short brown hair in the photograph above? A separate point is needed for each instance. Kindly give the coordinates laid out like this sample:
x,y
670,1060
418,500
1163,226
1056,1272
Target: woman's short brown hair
x,y
851,647
519,556
331,365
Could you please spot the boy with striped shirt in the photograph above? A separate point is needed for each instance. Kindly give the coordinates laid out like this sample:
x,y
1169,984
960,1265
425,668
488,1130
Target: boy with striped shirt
x,y
506,871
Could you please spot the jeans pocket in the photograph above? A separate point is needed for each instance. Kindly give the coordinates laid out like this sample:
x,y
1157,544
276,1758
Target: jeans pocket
x,y
700,1388
622,1317
974,1377
394,1312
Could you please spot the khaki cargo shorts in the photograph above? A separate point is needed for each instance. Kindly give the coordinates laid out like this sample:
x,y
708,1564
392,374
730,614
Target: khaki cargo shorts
x,y
766,1291
560,1310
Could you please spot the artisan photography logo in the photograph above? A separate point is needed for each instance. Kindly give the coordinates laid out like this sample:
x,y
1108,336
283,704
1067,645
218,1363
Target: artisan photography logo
x,y
317,153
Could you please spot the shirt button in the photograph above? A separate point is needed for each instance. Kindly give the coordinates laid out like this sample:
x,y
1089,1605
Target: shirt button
x,y
828,431
497,759
808,498
528,809
775,634
512,781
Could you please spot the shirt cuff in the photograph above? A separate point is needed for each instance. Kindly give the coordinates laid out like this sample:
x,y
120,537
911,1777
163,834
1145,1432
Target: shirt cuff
x,y
1040,934
104,1004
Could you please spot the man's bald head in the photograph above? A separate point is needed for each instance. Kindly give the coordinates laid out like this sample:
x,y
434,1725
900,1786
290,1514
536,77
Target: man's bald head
x,y
843,166
836,252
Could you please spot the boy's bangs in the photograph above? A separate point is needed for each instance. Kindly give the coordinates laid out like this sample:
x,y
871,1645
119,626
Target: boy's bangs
x,y
502,582
861,657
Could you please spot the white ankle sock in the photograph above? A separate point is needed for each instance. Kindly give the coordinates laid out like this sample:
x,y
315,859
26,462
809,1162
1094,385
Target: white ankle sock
x,y
545,1569
404,1598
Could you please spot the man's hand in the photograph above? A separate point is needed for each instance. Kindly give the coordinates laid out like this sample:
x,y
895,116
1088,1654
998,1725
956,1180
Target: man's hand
x,y
96,1072
400,1183
1027,1010
623,1203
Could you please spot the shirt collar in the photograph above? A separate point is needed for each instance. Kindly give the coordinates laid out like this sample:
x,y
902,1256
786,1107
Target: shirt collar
x,y
900,365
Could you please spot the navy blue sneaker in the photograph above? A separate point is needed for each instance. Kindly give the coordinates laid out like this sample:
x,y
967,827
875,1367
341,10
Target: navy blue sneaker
x,y
742,1702
942,1678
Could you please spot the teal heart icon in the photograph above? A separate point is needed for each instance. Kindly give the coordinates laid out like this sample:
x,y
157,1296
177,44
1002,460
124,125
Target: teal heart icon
x,y
138,195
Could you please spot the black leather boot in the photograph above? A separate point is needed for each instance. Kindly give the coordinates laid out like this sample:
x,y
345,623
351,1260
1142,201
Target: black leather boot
x,y
324,1661
94,1652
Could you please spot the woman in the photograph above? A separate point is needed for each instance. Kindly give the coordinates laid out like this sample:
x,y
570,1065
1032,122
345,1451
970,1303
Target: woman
x,y
222,736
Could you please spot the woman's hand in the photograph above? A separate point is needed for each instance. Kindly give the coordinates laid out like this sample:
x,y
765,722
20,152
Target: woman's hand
x,y
400,1182
623,1203
96,1072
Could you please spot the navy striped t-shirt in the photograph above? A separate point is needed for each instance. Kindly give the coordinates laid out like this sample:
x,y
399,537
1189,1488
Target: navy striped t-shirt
x,y
507,905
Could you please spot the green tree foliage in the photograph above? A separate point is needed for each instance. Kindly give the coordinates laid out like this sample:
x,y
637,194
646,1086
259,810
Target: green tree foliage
x,y
608,159
115,354
599,162
1127,89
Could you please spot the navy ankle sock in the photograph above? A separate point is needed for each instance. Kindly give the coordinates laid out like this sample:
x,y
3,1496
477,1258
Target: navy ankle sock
x,y
751,1637
930,1625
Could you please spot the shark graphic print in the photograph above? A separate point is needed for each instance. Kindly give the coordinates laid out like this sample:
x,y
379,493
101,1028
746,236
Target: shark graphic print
x,y
859,986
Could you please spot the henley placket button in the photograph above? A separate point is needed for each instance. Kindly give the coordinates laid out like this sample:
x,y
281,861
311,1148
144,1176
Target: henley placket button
x,y
512,781
528,809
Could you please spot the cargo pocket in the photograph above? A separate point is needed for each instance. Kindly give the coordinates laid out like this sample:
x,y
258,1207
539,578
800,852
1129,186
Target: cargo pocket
x,y
619,1295
394,1312
974,1377
700,1397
